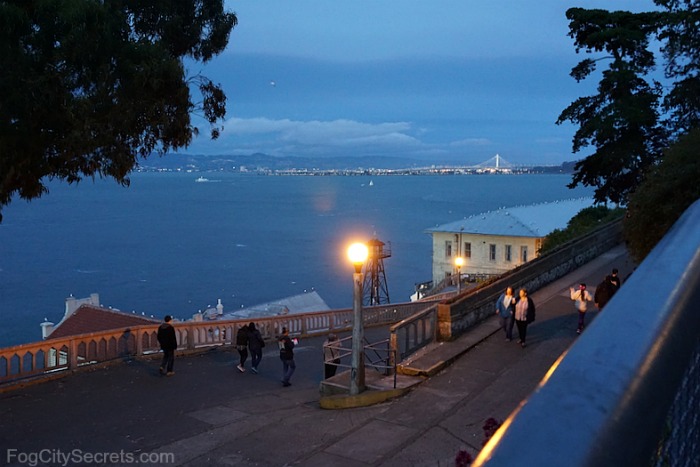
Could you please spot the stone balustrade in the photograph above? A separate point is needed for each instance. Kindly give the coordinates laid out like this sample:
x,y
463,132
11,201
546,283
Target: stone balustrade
x,y
53,357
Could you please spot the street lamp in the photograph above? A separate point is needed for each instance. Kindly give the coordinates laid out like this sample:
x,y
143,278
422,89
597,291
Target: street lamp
x,y
357,253
459,262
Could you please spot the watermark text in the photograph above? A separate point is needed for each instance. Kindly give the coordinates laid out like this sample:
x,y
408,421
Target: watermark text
x,y
62,458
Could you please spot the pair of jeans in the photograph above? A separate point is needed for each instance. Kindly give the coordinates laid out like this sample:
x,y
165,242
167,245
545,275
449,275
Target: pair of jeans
x,y
168,360
243,353
288,367
255,357
507,325
511,323
581,319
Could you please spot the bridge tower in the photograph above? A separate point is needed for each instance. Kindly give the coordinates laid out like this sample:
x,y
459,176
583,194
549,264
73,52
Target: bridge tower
x,y
376,290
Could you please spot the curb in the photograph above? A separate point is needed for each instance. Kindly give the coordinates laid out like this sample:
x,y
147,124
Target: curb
x,y
365,399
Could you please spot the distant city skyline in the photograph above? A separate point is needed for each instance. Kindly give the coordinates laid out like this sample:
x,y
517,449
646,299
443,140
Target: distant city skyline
x,y
337,165
456,81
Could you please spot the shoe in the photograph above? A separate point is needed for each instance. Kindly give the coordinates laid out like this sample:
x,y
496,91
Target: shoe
x,y
170,373
161,370
240,368
254,370
286,383
520,341
523,344
578,331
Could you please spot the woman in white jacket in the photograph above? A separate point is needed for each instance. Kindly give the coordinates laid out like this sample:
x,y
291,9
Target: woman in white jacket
x,y
580,297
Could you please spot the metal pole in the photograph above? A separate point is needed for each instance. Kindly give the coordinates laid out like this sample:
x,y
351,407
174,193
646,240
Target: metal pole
x,y
357,363
459,281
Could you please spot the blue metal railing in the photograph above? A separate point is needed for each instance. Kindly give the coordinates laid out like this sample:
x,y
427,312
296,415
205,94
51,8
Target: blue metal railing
x,y
628,391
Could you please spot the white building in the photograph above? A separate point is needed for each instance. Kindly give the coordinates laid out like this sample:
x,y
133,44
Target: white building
x,y
301,303
494,242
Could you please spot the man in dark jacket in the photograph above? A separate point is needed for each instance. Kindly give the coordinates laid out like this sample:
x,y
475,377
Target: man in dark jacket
x,y
242,347
255,345
286,346
603,292
615,281
168,343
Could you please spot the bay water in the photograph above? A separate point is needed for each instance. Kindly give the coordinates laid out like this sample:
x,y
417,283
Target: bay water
x,y
171,245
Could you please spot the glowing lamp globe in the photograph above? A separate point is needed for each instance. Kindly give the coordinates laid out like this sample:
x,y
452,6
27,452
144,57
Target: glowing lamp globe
x,y
357,253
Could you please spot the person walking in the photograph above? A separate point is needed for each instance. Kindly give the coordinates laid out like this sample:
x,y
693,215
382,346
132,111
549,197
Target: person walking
x,y
331,355
580,297
168,344
603,293
615,281
524,315
242,346
255,345
505,307
286,346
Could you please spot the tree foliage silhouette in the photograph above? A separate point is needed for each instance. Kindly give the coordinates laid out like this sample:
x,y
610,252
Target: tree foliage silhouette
x,y
87,87
638,128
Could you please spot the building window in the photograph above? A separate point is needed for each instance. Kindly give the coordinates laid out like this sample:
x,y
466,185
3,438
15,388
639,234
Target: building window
x,y
467,250
509,253
448,249
523,254
492,252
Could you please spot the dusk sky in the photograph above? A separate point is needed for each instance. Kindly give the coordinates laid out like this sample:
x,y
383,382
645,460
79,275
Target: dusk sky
x,y
449,81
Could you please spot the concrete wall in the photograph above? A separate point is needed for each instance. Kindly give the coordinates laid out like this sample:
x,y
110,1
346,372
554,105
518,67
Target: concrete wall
x,y
458,314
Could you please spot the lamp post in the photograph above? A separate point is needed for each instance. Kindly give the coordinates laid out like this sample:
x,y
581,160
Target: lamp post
x,y
358,255
459,262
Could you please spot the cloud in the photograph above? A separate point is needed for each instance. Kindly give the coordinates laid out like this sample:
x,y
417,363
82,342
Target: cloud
x,y
348,137
336,137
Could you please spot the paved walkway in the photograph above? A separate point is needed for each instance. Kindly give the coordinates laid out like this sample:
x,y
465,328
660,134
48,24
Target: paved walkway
x,y
210,414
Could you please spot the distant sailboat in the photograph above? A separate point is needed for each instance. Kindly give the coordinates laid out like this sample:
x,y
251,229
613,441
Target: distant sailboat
x,y
371,183
202,179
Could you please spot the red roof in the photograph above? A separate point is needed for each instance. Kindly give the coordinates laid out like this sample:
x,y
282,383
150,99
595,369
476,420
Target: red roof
x,y
89,318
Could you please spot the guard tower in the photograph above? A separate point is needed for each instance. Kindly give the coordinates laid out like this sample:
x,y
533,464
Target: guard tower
x,y
375,287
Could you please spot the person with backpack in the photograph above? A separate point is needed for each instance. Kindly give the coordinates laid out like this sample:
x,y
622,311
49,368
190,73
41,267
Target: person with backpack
x,y
286,346
603,292
255,345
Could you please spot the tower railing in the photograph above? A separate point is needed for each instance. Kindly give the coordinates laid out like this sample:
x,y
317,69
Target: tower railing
x,y
628,391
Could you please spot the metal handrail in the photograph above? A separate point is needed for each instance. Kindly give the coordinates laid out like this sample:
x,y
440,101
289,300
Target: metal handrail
x,y
417,330
388,364
627,392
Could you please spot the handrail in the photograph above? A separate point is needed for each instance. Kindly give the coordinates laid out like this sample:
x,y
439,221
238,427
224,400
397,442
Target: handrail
x,y
388,364
414,332
627,390
46,357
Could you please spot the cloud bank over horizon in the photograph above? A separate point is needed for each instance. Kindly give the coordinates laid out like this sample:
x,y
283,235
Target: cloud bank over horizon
x,y
459,82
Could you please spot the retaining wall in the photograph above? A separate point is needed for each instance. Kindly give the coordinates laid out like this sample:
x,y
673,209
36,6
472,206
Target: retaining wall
x,y
458,314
